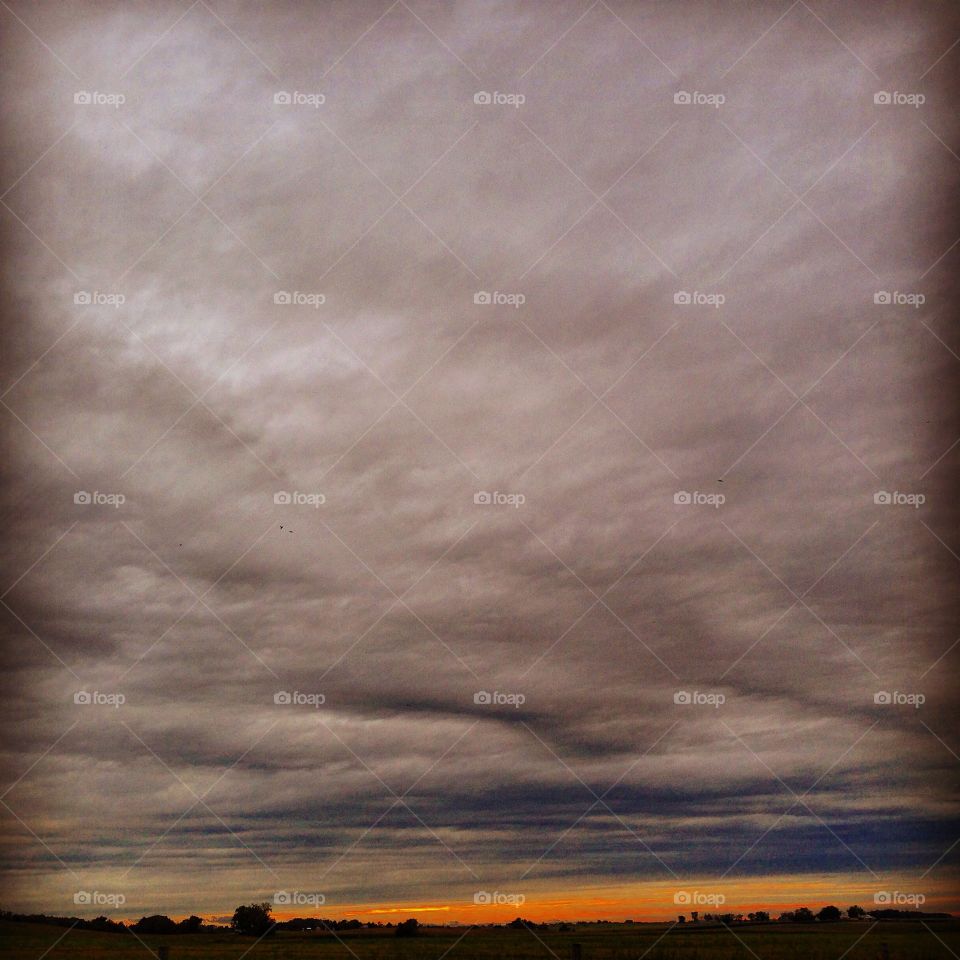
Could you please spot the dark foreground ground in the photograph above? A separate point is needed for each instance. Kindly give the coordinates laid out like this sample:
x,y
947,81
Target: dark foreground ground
x,y
896,940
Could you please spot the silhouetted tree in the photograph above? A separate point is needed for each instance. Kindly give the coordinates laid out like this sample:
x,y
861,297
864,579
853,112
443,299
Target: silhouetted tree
x,y
252,918
191,925
829,914
681,919
408,928
803,915
155,924
855,912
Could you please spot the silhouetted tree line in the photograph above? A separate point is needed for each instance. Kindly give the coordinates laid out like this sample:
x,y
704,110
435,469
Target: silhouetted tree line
x,y
255,919
828,914
154,924
907,915
322,923
100,923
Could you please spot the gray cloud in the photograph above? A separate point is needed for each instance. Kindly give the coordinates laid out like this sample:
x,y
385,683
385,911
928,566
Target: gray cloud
x,y
399,398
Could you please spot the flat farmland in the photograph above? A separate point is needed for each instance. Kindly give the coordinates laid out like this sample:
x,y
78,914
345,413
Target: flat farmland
x,y
886,940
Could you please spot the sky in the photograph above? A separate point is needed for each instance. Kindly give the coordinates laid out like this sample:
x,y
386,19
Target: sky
x,y
475,459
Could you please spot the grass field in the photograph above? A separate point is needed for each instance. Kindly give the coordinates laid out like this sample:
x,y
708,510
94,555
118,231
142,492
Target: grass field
x,y
895,940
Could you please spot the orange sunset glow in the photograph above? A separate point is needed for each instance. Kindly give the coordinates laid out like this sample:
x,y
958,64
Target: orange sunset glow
x,y
647,902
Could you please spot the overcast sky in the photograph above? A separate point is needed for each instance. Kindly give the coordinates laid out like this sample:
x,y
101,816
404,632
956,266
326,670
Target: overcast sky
x,y
664,287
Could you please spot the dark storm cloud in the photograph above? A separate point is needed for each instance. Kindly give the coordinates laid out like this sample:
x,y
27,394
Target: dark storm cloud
x,y
599,399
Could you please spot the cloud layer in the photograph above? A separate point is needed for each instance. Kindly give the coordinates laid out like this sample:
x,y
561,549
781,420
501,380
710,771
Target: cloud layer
x,y
718,336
